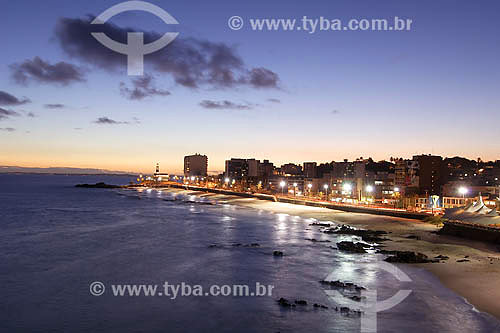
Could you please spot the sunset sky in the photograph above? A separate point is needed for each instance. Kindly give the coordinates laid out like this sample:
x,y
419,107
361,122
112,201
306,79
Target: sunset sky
x,y
287,96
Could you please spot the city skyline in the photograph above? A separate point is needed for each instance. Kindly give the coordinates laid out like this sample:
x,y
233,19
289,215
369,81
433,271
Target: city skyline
x,y
213,171
292,96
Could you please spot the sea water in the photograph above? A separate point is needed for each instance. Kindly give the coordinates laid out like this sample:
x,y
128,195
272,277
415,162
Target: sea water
x,y
55,240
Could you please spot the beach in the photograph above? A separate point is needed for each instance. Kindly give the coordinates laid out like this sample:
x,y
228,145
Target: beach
x,y
476,277
58,240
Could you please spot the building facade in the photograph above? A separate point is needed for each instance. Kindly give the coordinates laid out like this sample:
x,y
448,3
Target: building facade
x,y
195,165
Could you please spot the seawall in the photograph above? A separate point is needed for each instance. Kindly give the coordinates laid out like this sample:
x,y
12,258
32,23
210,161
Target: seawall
x,y
471,231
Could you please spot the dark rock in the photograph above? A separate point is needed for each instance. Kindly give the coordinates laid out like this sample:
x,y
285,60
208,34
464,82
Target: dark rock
x,y
463,260
316,305
301,302
441,257
277,253
387,251
371,236
342,285
285,303
320,224
344,309
355,298
408,257
352,247
98,185
237,244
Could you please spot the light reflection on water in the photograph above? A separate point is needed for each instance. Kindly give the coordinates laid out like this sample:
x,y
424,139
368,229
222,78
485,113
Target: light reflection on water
x,y
52,257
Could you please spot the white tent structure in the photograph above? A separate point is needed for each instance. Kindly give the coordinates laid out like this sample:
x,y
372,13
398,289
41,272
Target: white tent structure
x,y
475,212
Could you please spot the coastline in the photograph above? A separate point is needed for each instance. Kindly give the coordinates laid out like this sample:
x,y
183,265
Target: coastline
x,y
474,279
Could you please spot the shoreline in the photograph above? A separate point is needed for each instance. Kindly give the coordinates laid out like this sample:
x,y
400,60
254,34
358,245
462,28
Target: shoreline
x,y
474,279
296,201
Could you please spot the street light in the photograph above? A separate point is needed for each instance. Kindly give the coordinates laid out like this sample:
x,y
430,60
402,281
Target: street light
x,y
294,188
326,190
282,184
368,189
463,191
396,194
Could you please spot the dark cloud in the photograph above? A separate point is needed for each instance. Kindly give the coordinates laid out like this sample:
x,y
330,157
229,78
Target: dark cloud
x,y
30,115
224,105
8,99
142,87
7,129
263,78
335,112
4,114
39,70
54,106
109,121
273,100
191,62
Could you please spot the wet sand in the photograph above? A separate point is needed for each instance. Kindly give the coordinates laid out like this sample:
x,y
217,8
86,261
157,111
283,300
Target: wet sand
x,y
477,279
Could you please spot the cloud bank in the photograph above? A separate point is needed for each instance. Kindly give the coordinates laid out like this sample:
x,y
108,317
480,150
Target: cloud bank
x,y
191,62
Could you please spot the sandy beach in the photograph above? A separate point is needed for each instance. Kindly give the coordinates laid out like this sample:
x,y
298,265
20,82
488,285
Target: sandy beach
x,y
473,267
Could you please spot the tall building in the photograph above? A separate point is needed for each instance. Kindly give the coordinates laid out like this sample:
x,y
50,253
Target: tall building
x,y
266,169
250,170
195,165
430,174
237,168
291,169
310,170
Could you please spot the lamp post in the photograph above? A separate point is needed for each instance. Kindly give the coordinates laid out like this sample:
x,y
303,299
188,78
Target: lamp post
x,y
396,191
347,188
310,187
294,188
463,191
326,191
227,181
369,189
282,184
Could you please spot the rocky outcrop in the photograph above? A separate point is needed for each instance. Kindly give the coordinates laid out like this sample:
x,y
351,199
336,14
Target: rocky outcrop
x,y
342,285
98,185
277,253
370,236
285,303
352,247
409,257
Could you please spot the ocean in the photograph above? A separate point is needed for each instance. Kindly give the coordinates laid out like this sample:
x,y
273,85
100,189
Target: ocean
x,y
56,240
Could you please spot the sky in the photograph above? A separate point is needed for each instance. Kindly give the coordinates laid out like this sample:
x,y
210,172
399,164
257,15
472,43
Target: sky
x,y
286,96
